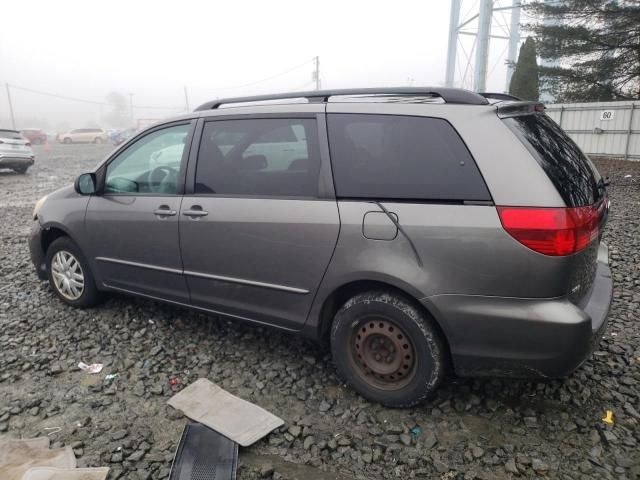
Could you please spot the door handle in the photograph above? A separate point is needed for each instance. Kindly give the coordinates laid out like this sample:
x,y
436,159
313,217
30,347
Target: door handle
x,y
195,212
164,211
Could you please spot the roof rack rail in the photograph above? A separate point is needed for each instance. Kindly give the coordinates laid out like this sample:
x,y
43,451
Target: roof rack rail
x,y
499,96
449,95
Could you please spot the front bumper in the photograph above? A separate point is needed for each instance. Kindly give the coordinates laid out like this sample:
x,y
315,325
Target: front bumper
x,y
524,337
35,248
16,160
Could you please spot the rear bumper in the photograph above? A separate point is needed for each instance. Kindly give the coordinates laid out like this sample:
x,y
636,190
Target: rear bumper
x,y
15,160
516,337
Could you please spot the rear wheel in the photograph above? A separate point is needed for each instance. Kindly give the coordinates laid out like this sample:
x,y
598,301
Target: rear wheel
x,y
387,349
66,140
69,274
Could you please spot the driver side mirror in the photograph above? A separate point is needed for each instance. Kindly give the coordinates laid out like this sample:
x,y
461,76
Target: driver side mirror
x,y
85,184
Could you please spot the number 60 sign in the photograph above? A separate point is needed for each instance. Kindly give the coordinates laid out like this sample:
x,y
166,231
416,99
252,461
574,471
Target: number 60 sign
x,y
607,114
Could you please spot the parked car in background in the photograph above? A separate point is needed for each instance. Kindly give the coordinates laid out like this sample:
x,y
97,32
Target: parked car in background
x,y
36,136
84,135
15,151
414,230
121,136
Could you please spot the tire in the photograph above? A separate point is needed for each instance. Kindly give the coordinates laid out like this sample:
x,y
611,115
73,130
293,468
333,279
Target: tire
x,y
367,334
89,294
66,140
21,170
97,140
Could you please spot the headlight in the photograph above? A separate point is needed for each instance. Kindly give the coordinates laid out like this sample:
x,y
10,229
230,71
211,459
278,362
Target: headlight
x,y
38,206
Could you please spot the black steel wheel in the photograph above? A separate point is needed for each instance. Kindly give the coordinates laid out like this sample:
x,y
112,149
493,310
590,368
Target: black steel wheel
x,y
388,349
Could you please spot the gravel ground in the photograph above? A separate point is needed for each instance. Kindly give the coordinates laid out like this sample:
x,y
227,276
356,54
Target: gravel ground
x,y
489,429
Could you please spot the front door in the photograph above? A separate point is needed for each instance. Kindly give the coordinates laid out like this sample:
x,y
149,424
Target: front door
x,y
133,224
257,232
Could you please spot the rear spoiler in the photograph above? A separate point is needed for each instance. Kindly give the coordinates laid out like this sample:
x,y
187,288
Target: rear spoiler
x,y
500,96
514,109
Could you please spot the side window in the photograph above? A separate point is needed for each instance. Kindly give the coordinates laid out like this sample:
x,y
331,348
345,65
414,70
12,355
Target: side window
x,y
150,165
263,157
401,157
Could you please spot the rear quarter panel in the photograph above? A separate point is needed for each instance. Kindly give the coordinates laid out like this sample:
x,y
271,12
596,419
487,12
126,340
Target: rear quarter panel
x,y
462,249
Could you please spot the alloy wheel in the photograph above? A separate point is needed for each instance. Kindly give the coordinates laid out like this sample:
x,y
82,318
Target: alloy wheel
x,y
68,276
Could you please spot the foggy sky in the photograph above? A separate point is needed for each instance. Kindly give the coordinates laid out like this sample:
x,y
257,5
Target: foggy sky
x,y
153,49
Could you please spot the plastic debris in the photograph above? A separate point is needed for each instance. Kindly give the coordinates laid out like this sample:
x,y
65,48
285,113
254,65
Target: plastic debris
x,y
416,430
174,384
608,418
111,376
93,368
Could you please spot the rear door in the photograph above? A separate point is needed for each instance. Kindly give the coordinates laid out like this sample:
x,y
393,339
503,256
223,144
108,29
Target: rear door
x,y
13,143
260,222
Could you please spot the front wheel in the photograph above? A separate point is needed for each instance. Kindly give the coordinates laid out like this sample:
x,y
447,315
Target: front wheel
x,y
66,141
387,349
69,274
97,140
21,170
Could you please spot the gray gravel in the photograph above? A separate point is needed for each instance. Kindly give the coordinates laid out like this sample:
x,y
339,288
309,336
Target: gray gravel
x,y
489,429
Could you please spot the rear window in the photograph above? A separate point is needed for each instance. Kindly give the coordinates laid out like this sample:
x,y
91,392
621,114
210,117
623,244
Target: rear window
x,y
401,157
570,171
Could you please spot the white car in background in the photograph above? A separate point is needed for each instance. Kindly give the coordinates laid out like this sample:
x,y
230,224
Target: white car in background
x,y
84,135
15,151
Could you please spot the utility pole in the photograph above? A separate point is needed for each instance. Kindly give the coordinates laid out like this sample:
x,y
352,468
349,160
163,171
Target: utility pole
x,y
454,19
482,45
186,98
316,73
13,120
131,108
514,39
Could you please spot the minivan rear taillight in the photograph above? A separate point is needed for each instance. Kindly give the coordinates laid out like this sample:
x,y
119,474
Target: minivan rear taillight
x,y
552,231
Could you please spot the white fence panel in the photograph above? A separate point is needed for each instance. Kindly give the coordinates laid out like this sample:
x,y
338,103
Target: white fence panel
x,y
601,128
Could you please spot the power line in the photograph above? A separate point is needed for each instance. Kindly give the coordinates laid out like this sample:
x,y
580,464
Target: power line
x,y
264,79
83,100
53,95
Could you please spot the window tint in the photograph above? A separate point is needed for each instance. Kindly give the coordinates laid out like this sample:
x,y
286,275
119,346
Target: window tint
x,y
270,157
150,165
570,171
401,157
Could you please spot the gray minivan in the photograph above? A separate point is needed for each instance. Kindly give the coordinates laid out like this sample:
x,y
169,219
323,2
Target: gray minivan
x,y
418,230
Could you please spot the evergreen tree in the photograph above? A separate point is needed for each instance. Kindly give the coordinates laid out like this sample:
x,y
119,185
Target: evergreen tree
x,y
594,46
524,82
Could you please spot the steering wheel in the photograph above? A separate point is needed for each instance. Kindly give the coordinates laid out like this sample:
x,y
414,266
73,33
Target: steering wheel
x,y
162,178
